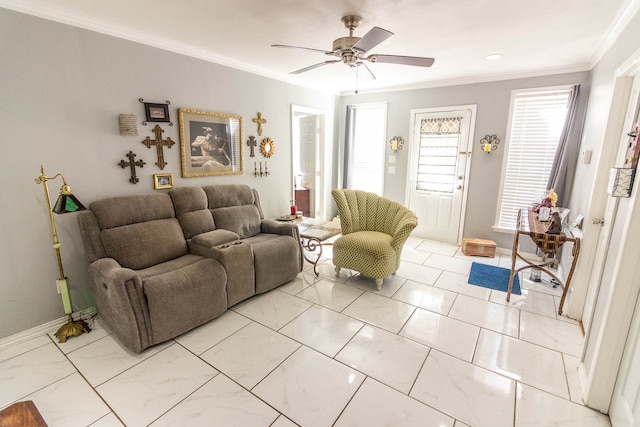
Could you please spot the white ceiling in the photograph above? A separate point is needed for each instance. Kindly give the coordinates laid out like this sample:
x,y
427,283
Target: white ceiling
x,y
534,36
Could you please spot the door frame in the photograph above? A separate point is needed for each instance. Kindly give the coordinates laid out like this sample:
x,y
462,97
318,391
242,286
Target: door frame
x,y
472,108
607,343
320,182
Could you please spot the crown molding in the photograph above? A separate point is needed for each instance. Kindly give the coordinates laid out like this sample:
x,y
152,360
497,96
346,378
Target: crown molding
x,y
617,26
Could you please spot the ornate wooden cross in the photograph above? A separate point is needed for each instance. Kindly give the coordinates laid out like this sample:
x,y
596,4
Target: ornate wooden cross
x,y
251,142
159,143
260,121
132,164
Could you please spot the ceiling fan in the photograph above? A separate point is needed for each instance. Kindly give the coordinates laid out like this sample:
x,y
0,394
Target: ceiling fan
x,y
353,50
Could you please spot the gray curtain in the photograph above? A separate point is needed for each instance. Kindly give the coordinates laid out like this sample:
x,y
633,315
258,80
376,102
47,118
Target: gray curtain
x,y
349,133
564,163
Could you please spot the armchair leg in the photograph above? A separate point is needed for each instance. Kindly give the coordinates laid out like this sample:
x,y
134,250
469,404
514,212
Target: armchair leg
x,y
379,284
337,270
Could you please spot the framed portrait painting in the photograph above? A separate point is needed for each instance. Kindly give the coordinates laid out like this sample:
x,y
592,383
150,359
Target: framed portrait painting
x,y
210,143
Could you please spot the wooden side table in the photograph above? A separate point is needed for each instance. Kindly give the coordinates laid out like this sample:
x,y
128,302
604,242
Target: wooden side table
x,y
548,244
22,414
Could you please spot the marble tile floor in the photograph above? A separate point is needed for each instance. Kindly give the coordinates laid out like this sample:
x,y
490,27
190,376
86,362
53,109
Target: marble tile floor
x,y
427,350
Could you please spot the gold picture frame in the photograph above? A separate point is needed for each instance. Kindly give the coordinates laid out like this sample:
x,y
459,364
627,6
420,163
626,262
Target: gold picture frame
x,y
162,180
210,143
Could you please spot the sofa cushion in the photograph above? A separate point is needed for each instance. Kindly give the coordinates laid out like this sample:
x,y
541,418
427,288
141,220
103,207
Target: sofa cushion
x,y
125,210
221,196
192,211
243,220
275,260
168,266
142,245
182,299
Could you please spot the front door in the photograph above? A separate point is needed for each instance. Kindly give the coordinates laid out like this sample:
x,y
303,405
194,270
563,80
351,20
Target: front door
x,y
440,153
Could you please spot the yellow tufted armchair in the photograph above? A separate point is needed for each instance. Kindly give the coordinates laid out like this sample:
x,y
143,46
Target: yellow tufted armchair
x,y
374,230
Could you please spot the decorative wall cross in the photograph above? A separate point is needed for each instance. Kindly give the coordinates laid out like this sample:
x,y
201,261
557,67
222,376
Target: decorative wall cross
x,y
260,121
132,164
251,142
159,143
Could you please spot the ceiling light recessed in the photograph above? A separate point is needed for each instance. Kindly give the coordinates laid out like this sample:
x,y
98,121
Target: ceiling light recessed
x,y
493,57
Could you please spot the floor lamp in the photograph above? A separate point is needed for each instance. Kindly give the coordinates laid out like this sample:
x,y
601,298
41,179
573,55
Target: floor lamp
x,y
66,203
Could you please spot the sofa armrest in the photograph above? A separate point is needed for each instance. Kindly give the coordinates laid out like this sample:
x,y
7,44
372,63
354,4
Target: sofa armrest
x,y
271,226
119,298
108,270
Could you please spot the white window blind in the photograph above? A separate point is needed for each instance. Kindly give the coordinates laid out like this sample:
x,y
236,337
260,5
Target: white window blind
x,y
367,168
536,123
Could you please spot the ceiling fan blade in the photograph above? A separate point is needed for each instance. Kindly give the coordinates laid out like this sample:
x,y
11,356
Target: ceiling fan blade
x,y
366,75
417,61
373,38
286,46
311,67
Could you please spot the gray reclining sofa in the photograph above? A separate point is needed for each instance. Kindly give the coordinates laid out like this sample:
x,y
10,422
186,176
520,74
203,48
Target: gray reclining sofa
x,y
162,264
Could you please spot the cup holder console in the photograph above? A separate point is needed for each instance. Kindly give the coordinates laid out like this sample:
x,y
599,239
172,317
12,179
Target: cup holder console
x,y
226,245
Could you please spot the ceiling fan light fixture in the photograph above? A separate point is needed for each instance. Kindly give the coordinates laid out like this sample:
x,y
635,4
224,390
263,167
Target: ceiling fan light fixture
x,y
352,50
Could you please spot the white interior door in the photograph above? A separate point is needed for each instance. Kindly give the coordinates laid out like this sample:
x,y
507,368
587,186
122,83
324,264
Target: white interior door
x,y
610,368
440,153
625,404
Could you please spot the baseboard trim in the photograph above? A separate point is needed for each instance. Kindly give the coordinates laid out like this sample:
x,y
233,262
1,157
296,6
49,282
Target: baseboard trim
x,y
43,329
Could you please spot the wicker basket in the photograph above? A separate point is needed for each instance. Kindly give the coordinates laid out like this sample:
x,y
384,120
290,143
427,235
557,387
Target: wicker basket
x,y
478,247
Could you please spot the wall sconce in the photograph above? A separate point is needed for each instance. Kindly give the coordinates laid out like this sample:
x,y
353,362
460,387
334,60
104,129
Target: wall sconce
x,y
396,143
128,124
489,143
260,174
66,203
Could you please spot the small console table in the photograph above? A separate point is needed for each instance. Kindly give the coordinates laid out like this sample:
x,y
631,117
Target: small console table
x,y
312,233
548,244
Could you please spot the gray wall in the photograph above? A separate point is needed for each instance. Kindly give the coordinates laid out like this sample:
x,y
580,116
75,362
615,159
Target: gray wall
x,y
62,89
493,100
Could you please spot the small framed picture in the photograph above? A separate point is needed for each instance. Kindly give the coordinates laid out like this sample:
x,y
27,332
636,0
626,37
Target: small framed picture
x,y
156,112
162,180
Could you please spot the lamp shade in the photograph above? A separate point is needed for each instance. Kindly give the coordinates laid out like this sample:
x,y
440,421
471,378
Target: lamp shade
x,y
67,202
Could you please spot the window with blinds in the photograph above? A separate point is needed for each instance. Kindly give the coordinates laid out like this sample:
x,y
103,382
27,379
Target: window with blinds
x,y
535,126
438,154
